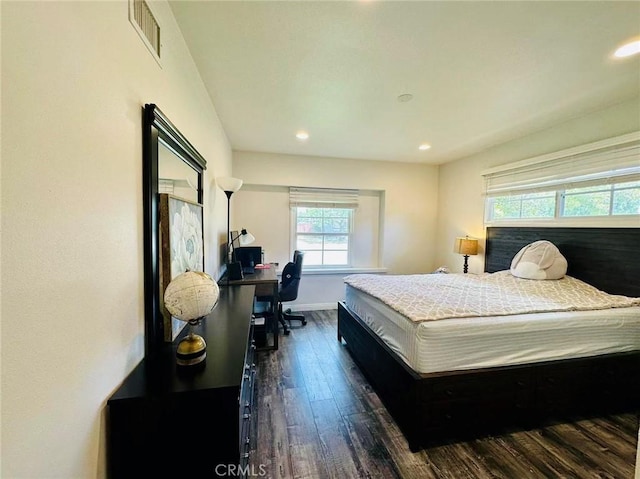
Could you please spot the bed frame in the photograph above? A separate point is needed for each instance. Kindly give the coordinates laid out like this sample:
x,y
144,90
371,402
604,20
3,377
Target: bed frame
x,y
437,408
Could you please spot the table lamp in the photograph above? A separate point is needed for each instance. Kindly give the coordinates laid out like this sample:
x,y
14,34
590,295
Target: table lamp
x,y
467,247
190,297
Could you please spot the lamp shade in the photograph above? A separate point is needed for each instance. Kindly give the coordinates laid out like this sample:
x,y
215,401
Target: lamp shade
x,y
246,238
191,295
227,183
466,246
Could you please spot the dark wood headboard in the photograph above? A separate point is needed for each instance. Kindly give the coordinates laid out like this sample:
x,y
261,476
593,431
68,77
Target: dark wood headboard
x,y
607,258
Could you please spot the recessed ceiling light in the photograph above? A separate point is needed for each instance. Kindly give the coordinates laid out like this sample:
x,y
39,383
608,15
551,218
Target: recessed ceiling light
x,y
302,135
424,146
628,49
405,97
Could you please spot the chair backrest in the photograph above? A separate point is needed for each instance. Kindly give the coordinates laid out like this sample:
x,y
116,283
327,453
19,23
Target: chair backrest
x,y
291,278
298,258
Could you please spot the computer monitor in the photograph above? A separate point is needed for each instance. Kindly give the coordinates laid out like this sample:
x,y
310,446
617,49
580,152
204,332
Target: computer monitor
x,y
249,257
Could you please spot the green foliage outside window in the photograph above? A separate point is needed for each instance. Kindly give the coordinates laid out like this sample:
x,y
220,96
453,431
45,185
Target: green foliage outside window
x,y
598,200
626,199
323,233
586,202
533,205
603,200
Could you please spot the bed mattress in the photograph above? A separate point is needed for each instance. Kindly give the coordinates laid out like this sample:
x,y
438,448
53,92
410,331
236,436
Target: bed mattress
x,y
470,343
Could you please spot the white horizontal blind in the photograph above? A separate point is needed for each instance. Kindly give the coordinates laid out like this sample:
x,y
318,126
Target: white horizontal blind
x,y
609,161
165,186
322,198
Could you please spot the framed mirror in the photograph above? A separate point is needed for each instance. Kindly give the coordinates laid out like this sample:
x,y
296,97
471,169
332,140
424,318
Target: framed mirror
x,y
171,167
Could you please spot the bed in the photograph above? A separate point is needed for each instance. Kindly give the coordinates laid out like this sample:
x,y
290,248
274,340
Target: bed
x,y
441,398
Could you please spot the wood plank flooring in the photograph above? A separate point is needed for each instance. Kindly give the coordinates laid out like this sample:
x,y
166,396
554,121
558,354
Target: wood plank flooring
x,y
317,417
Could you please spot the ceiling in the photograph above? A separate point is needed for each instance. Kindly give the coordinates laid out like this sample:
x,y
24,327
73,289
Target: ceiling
x,y
481,73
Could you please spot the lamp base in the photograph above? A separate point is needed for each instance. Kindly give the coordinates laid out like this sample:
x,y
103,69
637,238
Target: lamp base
x,y
191,350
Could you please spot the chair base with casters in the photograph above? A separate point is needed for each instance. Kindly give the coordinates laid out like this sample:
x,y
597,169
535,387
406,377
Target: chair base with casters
x,y
287,316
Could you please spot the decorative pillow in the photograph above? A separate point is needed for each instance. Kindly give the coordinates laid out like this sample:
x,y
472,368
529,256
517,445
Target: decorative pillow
x,y
539,260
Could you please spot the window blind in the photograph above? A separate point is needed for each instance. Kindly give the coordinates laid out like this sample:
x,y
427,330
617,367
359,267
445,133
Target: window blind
x,y
614,160
165,186
322,198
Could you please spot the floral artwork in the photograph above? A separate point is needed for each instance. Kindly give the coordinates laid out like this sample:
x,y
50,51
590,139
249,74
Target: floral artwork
x,y
181,249
186,237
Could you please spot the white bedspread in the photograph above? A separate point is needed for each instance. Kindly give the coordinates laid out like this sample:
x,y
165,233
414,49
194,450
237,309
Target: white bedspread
x,y
429,297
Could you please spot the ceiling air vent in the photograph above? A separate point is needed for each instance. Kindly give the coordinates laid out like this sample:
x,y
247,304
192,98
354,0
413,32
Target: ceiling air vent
x,y
144,22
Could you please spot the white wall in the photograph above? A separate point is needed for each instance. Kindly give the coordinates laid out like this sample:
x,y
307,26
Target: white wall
x,y
75,77
461,186
408,219
265,212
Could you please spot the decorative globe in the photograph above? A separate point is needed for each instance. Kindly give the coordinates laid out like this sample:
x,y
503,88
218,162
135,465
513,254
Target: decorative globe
x,y
191,295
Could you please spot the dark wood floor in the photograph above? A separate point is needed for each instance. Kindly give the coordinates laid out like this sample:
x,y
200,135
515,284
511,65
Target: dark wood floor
x,y
317,417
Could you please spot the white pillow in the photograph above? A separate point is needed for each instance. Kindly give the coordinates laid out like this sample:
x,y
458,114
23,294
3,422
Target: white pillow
x,y
539,260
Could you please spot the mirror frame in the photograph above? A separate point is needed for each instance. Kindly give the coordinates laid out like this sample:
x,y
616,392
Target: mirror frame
x,y
158,129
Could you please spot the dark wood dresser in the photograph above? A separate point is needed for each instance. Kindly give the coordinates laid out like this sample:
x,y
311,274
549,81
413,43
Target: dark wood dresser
x,y
166,421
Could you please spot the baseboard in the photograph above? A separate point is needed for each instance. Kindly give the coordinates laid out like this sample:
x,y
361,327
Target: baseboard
x,y
311,307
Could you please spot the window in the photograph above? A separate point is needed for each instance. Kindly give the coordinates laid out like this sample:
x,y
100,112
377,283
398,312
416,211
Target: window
x,y
532,205
322,225
597,180
323,234
602,200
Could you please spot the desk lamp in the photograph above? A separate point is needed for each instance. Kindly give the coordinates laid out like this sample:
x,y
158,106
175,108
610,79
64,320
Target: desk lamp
x,y
467,247
245,238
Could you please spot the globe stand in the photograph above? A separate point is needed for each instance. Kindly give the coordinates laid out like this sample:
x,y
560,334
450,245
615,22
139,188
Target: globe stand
x,y
192,350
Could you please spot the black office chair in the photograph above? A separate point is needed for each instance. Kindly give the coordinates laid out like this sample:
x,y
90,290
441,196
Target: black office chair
x,y
288,290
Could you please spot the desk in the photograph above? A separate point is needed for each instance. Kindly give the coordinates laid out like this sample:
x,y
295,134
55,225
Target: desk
x,y
266,283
